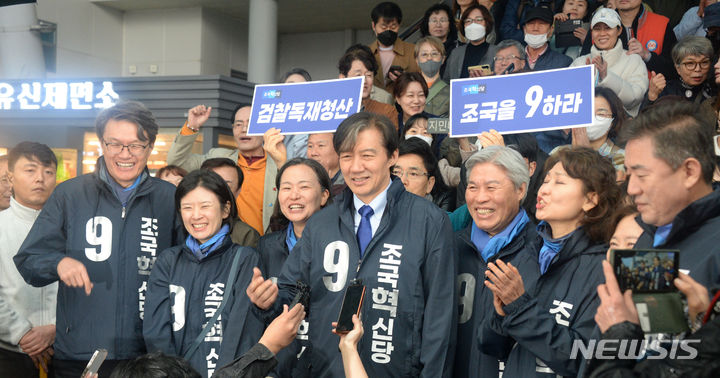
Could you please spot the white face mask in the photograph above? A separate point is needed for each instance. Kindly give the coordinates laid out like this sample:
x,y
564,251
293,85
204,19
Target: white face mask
x,y
600,126
474,32
427,139
535,41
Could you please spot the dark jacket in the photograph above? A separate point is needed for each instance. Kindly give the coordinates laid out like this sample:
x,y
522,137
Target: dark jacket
x,y
244,235
550,60
697,94
556,309
294,359
184,293
706,364
475,300
408,270
128,239
695,233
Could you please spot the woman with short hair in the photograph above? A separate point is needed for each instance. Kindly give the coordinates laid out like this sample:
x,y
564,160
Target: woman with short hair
x,y
693,59
206,275
547,312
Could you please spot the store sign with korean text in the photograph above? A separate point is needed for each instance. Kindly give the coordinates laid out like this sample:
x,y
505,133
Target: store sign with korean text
x,y
301,108
57,95
524,102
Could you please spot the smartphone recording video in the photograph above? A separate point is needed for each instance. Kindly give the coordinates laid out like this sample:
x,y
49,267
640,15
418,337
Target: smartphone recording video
x,y
352,303
646,270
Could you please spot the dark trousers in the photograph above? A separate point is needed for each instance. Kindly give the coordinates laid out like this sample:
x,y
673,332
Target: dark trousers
x,y
14,364
74,368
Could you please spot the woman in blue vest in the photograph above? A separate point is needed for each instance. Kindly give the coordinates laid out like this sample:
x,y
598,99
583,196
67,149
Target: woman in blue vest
x,y
203,282
540,318
303,189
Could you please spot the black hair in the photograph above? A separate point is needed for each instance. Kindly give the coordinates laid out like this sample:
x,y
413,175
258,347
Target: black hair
x,y
386,10
131,111
353,54
296,71
155,365
417,146
278,221
171,169
224,162
410,122
212,182
525,144
440,7
346,134
489,21
235,110
617,109
679,130
32,151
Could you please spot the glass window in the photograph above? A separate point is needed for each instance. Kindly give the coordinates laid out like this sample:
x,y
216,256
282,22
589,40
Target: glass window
x,y
157,160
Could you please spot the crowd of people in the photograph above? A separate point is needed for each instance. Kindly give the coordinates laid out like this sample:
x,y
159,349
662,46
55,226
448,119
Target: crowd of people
x,y
480,256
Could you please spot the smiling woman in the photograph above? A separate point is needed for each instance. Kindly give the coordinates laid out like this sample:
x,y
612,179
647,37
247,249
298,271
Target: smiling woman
x,y
206,269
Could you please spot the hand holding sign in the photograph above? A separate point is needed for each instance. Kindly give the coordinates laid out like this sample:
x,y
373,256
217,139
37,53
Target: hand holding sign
x,y
274,146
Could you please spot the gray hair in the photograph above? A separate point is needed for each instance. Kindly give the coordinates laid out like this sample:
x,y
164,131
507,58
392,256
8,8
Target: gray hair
x,y
511,43
692,45
506,158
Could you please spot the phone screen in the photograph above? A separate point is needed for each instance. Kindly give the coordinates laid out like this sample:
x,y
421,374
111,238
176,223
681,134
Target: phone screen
x,y
646,270
351,305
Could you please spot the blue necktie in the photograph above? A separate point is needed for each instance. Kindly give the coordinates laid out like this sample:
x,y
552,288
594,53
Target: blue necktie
x,y
364,232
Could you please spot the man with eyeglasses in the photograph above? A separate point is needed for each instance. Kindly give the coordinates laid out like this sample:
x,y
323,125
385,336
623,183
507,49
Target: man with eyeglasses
x,y
5,187
258,192
99,235
509,52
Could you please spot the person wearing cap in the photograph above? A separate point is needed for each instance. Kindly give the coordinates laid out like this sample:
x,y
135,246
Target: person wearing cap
x,y
649,36
711,21
537,26
624,73
693,21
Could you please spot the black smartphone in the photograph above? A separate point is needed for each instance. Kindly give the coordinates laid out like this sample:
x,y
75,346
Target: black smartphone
x,y
352,303
95,361
397,70
302,296
646,270
509,68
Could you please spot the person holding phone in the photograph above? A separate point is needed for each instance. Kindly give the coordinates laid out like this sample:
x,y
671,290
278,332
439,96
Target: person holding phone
x,y
398,244
206,275
617,318
393,56
670,161
303,190
544,315
464,61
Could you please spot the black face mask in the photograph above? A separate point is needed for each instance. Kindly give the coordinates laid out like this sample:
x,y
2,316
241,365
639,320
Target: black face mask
x,y
387,38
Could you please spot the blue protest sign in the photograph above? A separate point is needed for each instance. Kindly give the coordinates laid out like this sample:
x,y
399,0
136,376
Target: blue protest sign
x,y
524,102
302,108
